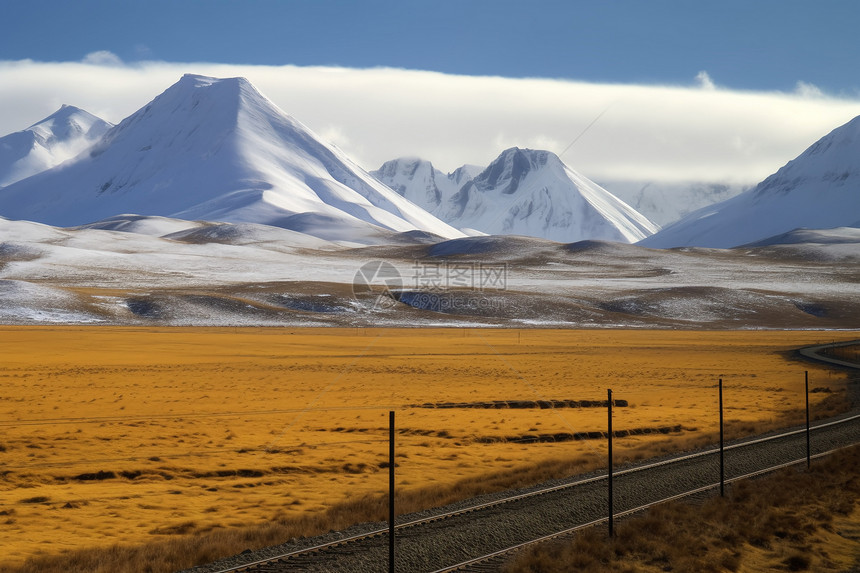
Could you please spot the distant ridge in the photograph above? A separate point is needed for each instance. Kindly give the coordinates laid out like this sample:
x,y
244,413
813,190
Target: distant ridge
x,y
47,143
820,189
216,149
522,192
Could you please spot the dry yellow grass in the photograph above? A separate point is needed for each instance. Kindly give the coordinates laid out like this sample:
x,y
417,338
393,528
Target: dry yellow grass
x,y
129,435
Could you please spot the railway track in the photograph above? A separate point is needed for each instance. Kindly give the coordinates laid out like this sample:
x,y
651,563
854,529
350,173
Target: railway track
x,y
816,353
493,561
479,537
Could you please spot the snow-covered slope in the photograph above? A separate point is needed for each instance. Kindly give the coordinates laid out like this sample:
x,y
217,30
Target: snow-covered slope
x,y
837,236
217,150
247,274
420,182
58,137
667,202
532,193
522,192
142,225
820,189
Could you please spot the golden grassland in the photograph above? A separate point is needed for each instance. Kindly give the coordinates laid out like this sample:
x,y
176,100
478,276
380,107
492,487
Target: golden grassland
x,y
795,520
132,436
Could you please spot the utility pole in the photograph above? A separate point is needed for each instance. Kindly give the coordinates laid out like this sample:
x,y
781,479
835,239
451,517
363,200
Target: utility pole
x,y
611,508
391,491
808,448
722,447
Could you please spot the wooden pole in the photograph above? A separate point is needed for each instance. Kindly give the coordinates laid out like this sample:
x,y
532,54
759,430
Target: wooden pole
x,y
722,447
808,447
391,491
611,508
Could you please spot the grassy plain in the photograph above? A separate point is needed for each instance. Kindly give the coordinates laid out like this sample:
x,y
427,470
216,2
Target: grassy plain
x,y
130,436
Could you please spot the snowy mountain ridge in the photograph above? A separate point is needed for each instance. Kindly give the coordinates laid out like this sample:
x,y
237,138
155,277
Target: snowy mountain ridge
x,y
216,149
47,143
820,189
420,182
522,192
666,202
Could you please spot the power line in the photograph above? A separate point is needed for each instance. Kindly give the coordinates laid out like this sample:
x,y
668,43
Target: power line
x,y
584,131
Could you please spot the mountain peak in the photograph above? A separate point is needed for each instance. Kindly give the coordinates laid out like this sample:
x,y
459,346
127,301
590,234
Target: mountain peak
x,y
217,149
522,192
532,192
847,133
69,122
404,166
193,89
417,180
193,83
817,190
511,167
195,104
48,142
65,111
525,152
201,81
197,79
841,146
834,158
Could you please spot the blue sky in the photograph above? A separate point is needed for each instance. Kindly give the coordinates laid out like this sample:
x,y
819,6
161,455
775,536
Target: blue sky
x,y
747,45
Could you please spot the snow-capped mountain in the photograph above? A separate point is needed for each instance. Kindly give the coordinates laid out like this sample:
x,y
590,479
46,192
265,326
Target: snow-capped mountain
x,y
216,149
423,184
820,189
522,192
666,202
58,137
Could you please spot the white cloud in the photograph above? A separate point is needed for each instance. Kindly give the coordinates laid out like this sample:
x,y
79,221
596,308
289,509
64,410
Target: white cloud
x,y
102,58
704,81
660,133
806,89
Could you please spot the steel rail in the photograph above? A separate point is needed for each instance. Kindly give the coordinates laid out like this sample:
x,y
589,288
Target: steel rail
x,y
547,490
813,353
565,532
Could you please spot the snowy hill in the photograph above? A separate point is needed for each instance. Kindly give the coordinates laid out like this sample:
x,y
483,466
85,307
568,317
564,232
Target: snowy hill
x,y
122,272
523,192
58,137
837,236
820,189
217,150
